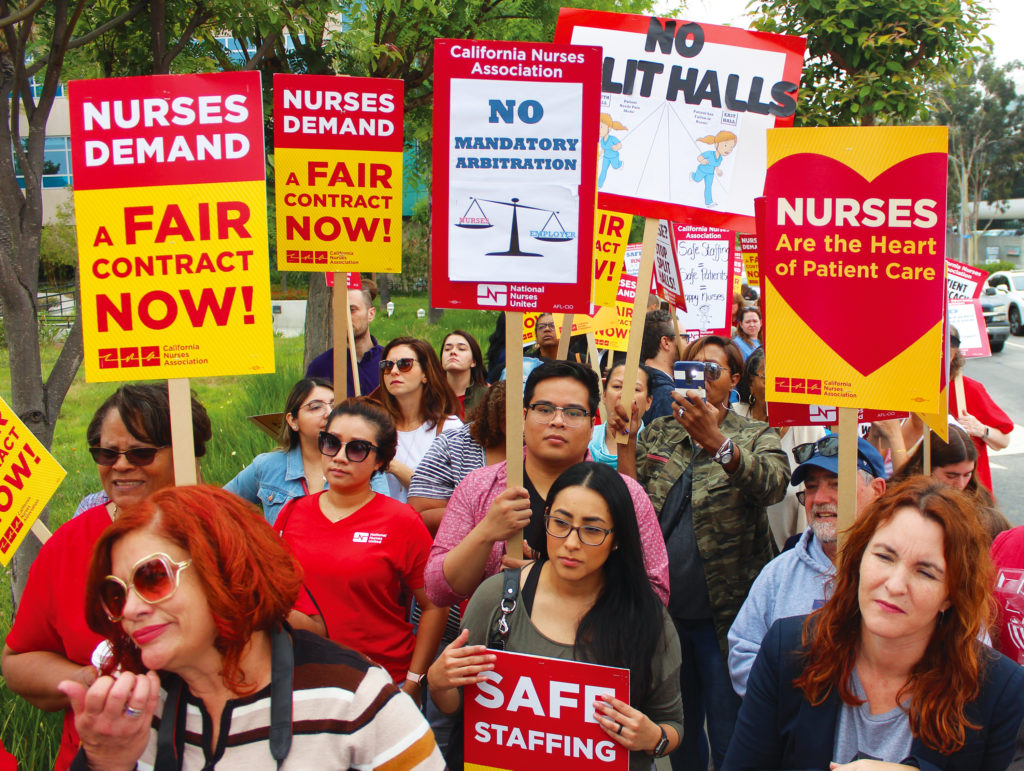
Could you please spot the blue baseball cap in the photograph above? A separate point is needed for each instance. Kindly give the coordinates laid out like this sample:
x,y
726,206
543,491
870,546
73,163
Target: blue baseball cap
x,y
825,454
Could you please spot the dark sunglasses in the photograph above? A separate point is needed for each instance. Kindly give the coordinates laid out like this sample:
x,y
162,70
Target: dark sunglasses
x,y
153,578
139,456
355,450
404,365
827,446
954,342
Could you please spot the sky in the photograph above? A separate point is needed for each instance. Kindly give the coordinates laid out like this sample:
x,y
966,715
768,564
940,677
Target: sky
x,y
1007,19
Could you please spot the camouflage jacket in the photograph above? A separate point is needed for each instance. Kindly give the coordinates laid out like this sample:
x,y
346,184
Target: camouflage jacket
x,y
729,518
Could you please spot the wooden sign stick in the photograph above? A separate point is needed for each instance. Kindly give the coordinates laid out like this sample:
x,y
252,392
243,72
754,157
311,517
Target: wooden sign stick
x,y
847,508
514,415
927,439
352,348
183,446
41,531
680,344
595,364
643,289
339,315
564,337
961,399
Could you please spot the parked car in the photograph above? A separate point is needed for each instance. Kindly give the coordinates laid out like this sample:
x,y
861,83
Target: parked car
x,y
1011,282
994,306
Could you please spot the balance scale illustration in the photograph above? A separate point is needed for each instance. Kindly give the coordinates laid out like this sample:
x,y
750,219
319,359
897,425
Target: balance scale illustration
x,y
483,222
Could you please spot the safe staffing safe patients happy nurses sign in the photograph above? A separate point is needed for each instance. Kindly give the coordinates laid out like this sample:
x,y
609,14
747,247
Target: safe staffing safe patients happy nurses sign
x,y
170,201
853,266
515,168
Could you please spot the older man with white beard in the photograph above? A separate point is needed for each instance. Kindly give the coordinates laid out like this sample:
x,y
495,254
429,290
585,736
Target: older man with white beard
x,y
798,581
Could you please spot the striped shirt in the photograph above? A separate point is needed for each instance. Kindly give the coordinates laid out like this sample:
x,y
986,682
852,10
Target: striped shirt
x,y
450,458
346,714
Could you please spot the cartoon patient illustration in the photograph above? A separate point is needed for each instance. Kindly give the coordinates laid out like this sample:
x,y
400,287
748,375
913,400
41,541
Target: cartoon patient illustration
x,y
609,145
710,161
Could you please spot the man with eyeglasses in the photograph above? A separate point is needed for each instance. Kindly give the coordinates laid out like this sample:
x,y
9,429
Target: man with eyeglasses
x,y
561,399
369,351
796,582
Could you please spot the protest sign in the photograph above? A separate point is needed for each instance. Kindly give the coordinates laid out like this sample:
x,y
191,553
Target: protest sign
x,y
615,335
338,173
783,414
514,175
170,202
538,713
581,324
963,281
684,111
852,266
29,476
631,263
697,276
748,250
612,233
969,319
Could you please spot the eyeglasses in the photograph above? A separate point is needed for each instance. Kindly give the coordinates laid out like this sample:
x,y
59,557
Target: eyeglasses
x,y
153,579
589,535
546,325
318,407
544,412
137,456
355,450
954,342
404,365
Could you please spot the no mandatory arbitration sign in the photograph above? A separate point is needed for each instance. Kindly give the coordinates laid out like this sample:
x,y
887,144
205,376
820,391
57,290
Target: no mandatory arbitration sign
x,y
170,200
515,132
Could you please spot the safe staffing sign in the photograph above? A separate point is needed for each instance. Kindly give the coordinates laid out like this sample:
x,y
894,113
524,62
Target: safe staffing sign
x,y
514,175
338,173
170,202
29,476
538,713
684,112
853,266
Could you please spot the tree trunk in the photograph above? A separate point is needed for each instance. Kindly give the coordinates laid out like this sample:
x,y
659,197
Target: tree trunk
x,y
383,288
319,332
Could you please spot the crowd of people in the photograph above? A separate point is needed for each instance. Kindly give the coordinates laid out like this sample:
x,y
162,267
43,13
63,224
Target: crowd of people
x,y
328,606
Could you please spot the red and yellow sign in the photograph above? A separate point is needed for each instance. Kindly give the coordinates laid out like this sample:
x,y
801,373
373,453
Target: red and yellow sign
x,y
610,242
538,713
170,200
748,248
29,476
614,335
852,266
338,172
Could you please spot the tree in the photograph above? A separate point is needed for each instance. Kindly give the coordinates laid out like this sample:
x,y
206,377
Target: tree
x,y
872,61
985,115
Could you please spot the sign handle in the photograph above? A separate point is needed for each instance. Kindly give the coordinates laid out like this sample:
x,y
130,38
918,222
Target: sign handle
x,y
643,289
847,508
340,314
564,337
352,349
680,345
183,446
927,440
514,414
961,399
595,364
42,531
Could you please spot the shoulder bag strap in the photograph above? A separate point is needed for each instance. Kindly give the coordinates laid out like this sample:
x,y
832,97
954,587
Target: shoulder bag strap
x,y
507,605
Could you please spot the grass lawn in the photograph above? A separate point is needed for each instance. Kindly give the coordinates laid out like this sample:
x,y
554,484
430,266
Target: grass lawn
x,y
33,736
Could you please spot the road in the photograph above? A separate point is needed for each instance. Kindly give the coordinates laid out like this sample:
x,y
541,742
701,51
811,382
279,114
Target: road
x,y
1003,377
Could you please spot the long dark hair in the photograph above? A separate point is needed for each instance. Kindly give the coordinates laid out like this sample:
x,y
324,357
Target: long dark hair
x,y
478,372
958,449
750,368
624,627
438,400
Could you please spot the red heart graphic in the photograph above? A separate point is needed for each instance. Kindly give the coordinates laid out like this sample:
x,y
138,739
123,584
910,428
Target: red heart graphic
x,y
867,320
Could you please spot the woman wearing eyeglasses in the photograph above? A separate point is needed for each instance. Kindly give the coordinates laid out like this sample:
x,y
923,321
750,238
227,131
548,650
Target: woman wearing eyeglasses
x,y
586,598
710,474
414,391
363,553
191,588
129,437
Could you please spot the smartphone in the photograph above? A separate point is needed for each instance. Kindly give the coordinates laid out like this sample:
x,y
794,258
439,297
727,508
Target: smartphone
x,y
689,376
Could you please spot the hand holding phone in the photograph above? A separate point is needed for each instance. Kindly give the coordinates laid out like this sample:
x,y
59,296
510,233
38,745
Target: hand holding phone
x,y
689,376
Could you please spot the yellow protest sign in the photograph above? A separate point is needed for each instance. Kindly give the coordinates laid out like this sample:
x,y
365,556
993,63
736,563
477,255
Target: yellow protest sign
x,y
581,324
338,173
748,248
610,240
29,476
170,202
615,336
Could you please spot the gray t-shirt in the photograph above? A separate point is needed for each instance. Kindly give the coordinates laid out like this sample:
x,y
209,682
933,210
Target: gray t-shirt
x,y
886,737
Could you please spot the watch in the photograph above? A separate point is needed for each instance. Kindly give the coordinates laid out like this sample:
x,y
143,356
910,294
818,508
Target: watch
x,y
725,453
662,745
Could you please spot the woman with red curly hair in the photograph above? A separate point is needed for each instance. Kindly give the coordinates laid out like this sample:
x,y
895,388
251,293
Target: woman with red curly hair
x,y
890,672
191,587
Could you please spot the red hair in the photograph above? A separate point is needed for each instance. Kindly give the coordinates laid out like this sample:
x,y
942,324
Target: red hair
x,y
250,578
946,678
